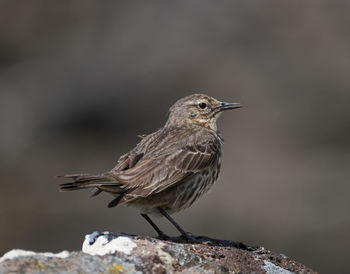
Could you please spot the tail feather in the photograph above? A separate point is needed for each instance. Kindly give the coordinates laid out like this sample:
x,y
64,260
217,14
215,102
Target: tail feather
x,y
100,183
116,201
82,181
95,192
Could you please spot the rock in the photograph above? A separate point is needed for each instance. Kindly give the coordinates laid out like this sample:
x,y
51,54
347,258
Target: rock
x,y
122,253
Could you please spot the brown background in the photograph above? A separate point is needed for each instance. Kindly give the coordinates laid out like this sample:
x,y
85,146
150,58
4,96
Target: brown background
x,y
79,80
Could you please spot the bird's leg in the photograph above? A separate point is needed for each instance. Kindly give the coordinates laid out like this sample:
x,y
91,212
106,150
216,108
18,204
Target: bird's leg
x,y
161,234
184,234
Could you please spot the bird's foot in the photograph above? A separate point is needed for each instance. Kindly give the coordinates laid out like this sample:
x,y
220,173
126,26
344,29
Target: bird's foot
x,y
188,237
185,237
163,236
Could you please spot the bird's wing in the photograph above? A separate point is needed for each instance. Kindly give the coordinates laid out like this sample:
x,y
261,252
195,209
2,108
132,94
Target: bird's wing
x,y
128,161
163,168
132,158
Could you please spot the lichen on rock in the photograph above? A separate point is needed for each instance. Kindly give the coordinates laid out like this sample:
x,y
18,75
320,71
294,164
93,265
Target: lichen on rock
x,y
122,253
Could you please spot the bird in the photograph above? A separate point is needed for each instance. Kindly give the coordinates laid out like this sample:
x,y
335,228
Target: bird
x,y
169,169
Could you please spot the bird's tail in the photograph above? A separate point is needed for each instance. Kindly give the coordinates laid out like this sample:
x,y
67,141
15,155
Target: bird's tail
x,y
103,182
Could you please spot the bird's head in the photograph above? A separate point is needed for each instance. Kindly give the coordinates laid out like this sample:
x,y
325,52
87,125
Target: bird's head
x,y
198,109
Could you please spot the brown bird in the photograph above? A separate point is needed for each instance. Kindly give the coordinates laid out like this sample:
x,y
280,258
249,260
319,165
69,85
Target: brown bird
x,y
169,169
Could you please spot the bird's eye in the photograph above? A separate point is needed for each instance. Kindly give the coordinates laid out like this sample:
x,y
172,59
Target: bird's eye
x,y
202,105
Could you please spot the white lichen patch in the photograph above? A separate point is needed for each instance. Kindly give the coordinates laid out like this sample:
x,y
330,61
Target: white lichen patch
x,y
165,257
98,244
271,268
14,253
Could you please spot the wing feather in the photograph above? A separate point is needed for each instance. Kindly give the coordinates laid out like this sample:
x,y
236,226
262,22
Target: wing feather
x,y
159,169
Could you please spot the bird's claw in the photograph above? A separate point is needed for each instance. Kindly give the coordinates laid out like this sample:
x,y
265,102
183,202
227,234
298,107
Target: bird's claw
x,y
188,237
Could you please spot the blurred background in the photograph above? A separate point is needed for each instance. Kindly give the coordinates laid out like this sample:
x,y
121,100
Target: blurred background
x,y
80,80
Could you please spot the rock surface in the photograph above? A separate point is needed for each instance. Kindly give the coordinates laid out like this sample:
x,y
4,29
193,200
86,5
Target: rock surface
x,y
122,253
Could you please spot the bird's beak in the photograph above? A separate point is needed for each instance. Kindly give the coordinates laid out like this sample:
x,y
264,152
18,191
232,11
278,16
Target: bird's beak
x,y
224,106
